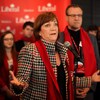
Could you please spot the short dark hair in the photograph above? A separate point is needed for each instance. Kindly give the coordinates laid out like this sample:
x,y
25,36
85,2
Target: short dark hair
x,y
28,23
92,28
40,20
72,6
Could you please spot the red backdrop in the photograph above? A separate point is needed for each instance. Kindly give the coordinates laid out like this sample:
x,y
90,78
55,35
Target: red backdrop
x,y
13,13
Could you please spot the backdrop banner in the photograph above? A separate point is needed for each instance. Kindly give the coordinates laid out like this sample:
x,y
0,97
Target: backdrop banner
x,y
13,13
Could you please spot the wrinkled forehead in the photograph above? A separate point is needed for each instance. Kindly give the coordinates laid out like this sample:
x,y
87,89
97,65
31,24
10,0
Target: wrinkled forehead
x,y
53,20
75,10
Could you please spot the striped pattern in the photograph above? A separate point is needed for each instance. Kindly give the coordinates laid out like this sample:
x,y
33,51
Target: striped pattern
x,y
83,82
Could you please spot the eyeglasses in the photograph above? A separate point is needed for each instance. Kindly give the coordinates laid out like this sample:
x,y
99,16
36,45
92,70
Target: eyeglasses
x,y
7,39
74,15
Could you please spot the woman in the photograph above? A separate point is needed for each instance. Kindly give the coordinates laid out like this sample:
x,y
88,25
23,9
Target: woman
x,y
8,61
42,73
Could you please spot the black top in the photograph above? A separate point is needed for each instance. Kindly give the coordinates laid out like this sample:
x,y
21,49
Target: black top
x,y
76,38
61,78
19,44
75,35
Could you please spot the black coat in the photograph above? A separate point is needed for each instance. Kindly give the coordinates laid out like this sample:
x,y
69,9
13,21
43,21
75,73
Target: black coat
x,y
19,44
90,95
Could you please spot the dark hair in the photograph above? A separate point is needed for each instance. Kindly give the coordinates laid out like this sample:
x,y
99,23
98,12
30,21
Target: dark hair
x,y
72,6
2,48
92,28
40,20
28,23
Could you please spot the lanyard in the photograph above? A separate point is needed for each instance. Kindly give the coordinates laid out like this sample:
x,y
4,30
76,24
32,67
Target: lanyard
x,y
76,47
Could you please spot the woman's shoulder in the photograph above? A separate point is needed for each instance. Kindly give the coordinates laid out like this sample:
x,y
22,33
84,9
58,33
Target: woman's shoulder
x,y
29,48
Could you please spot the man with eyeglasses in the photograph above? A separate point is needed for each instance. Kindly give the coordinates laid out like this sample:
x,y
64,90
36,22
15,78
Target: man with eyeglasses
x,y
86,65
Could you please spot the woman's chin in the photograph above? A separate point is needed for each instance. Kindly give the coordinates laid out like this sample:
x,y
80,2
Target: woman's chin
x,y
8,47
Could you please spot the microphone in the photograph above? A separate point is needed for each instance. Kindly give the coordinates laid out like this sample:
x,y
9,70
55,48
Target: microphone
x,y
68,45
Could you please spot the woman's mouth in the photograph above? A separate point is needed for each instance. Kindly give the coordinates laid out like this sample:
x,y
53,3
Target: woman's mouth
x,y
53,34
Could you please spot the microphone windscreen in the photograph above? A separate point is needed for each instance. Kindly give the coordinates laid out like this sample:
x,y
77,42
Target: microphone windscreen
x,y
67,44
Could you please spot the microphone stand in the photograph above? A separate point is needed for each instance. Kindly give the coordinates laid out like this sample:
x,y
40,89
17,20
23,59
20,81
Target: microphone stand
x,y
77,58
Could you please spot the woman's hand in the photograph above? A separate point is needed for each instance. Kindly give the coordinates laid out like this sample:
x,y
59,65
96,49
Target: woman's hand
x,y
96,76
81,92
15,81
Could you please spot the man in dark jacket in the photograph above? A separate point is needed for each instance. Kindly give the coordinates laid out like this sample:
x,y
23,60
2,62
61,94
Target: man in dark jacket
x,y
82,44
27,36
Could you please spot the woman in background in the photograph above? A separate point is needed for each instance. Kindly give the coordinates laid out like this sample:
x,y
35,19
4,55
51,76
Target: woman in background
x,y
8,61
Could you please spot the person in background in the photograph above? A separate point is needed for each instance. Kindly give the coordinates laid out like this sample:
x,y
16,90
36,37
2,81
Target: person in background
x,y
86,64
93,34
8,61
92,31
27,36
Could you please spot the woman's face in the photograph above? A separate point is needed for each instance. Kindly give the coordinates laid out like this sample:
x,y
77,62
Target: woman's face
x,y
8,41
49,31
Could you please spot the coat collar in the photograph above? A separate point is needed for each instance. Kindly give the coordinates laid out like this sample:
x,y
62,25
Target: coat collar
x,y
59,47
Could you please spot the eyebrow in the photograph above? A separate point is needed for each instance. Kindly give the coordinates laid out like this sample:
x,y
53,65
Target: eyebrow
x,y
51,21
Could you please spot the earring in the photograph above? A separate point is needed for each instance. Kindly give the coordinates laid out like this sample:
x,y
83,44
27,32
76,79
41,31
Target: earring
x,y
40,34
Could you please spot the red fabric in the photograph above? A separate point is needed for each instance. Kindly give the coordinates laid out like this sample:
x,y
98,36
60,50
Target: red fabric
x,y
88,52
31,39
53,92
4,74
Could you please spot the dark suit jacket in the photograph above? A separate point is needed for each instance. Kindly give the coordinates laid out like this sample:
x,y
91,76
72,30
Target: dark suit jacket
x,y
96,50
19,44
94,42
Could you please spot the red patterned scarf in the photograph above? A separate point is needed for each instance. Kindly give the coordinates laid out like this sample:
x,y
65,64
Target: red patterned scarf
x,y
53,92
